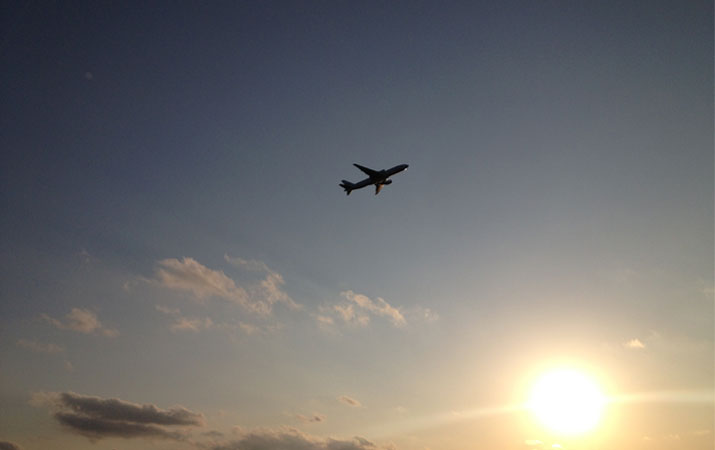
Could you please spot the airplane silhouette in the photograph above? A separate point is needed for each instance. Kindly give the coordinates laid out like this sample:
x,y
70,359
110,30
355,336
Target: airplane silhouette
x,y
377,177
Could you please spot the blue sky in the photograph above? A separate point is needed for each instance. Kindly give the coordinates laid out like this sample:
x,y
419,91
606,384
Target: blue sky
x,y
173,232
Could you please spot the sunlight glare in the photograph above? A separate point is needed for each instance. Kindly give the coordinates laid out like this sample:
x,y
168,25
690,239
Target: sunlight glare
x,y
567,401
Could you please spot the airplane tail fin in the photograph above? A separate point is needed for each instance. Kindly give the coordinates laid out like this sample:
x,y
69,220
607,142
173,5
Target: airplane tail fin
x,y
348,186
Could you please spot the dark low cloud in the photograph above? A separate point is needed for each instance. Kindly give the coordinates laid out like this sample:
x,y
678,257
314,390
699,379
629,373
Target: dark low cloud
x,y
214,434
96,417
292,439
118,410
5,445
96,428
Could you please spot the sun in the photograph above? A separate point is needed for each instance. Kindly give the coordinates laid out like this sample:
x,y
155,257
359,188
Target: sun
x,y
567,401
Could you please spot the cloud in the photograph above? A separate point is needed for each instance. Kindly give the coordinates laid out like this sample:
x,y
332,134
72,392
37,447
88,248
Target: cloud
x,y
97,418
195,324
5,445
203,283
324,320
86,257
214,434
270,288
421,314
358,309
40,347
82,321
190,275
168,311
313,418
349,401
292,439
379,307
634,344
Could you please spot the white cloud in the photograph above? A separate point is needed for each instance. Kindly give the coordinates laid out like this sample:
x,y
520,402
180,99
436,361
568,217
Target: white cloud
x,y
271,287
357,310
204,283
40,347
82,321
378,307
190,275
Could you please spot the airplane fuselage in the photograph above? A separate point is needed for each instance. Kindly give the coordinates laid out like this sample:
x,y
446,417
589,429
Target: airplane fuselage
x,y
378,178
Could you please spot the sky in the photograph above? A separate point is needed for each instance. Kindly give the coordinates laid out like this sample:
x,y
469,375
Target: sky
x,y
181,270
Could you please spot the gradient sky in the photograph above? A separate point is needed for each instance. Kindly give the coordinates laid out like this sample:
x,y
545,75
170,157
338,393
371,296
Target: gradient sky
x,y
180,269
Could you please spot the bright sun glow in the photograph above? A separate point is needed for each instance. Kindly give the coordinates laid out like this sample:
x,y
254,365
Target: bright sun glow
x,y
567,401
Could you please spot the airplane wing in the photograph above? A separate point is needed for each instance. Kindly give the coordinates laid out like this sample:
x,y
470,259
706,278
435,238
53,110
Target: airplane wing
x,y
378,186
369,172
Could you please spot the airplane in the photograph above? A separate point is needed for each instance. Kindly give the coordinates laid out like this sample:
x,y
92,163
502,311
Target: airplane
x,y
377,177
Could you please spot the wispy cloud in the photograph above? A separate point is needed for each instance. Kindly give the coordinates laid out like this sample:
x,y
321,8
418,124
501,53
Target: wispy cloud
x,y
195,325
291,439
312,418
39,347
357,310
634,344
378,307
422,314
190,275
204,283
271,287
97,418
81,321
346,400
183,323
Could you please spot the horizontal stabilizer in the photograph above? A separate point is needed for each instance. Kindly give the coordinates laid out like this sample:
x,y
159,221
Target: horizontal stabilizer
x,y
348,186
